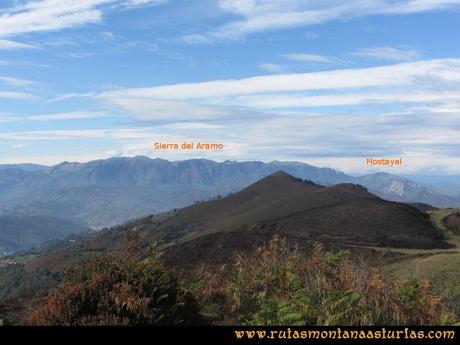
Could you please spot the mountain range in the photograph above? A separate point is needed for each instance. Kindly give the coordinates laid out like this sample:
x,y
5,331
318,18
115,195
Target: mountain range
x,y
302,212
299,211
104,193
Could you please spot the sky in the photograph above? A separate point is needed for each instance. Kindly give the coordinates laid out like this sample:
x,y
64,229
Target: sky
x,y
330,82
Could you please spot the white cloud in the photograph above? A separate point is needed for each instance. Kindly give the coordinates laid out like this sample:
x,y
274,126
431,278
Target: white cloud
x,y
137,3
68,96
11,45
145,108
443,108
388,53
414,6
77,115
17,82
16,95
54,135
351,139
271,67
18,146
50,15
301,57
280,101
311,35
299,136
191,126
136,134
264,15
53,15
425,95
23,63
405,75
51,159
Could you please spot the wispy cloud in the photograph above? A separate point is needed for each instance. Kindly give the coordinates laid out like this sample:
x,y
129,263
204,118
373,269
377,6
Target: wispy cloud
x,y
351,139
265,15
255,108
404,75
18,146
54,135
346,99
22,83
332,117
252,109
388,53
414,6
53,15
49,135
77,115
71,95
272,67
16,95
52,159
49,15
302,57
158,109
444,108
11,45
20,63
140,3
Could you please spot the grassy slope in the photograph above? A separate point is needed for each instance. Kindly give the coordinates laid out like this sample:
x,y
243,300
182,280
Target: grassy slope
x,y
441,266
431,263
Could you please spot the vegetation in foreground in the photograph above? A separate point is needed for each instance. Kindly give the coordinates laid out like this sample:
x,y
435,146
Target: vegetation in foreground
x,y
441,267
114,290
274,285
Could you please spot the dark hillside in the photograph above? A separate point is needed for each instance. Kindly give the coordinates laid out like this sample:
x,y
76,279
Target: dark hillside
x,y
298,210
452,222
361,222
274,196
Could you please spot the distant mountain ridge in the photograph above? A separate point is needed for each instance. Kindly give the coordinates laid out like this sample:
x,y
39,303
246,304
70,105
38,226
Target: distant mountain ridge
x,y
158,172
401,189
300,211
104,193
25,166
279,204
133,187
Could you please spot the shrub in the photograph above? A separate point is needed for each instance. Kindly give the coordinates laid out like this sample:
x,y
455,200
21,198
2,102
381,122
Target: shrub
x,y
114,290
279,285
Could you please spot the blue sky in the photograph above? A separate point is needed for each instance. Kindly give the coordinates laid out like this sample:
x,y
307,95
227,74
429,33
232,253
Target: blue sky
x,y
324,82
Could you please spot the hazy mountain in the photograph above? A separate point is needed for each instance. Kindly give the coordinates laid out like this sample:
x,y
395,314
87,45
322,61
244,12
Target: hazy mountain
x,y
433,179
26,166
143,171
24,232
401,189
108,192
447,188
104,206
444,184
279,204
